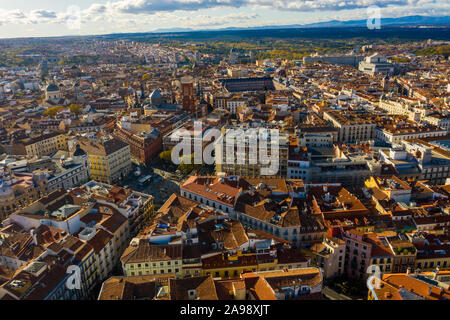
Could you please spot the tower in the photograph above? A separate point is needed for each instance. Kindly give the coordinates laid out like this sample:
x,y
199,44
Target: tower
x,y
187,93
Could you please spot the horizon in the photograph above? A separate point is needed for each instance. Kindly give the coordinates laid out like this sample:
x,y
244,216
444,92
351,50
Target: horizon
x,y
49,18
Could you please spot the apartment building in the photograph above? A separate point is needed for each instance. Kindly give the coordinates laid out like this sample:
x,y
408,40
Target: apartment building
x,y
109,161
93,232
357,255
144,258
404,106
45,145
329,255
238,152
396,133
144,146
352,127
19,190
390,188
438,120
407,286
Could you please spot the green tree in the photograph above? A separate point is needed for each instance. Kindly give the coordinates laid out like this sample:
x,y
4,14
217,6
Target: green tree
x,y
53,111
74,108
166,156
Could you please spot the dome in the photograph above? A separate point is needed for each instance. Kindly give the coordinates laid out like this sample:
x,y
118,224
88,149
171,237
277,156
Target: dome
x,y
156,94
52,87
78,151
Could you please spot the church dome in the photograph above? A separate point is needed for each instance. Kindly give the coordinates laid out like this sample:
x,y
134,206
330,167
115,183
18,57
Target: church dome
x,y
52,87
78,151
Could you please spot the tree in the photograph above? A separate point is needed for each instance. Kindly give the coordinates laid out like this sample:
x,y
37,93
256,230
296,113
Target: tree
x,y
53,111
166,156
189,165
74,108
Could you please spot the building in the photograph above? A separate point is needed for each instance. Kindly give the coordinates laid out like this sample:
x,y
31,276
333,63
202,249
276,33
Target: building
x,y
329,256
151,287
144,258
247,84
341,59
376,63
396,133
389,188
214,192
45,144
408,286
357,254
109,161
248,146
76,227
52,93
187,94
144,146
18,190
352,127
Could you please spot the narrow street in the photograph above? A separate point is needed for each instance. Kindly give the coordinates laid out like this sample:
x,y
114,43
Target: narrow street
x,y
333,295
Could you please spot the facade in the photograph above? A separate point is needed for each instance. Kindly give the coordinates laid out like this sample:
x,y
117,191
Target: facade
x,y
19,190
352,127
351,60
109,161
144,258
143,147
45,145
246,158
187,94
375,63
357,255
329,256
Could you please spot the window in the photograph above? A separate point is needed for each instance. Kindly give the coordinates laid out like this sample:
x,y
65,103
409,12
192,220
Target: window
x,y
191,293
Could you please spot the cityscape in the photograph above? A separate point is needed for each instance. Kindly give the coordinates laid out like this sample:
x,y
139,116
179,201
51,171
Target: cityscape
x,y
308,161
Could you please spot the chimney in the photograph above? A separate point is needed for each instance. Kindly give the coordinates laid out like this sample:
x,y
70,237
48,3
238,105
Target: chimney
x,y
436,272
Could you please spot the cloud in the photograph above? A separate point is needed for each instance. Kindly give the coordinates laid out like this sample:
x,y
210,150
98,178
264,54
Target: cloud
x,y
123,13
153,6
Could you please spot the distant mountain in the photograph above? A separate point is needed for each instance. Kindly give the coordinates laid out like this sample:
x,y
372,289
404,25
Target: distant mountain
x,y
169,30
402,21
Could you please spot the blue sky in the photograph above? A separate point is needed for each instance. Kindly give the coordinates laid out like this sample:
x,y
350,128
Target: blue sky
x,y
24,18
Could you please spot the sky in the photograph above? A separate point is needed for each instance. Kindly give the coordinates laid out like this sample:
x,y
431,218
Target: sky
x,y
39,18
